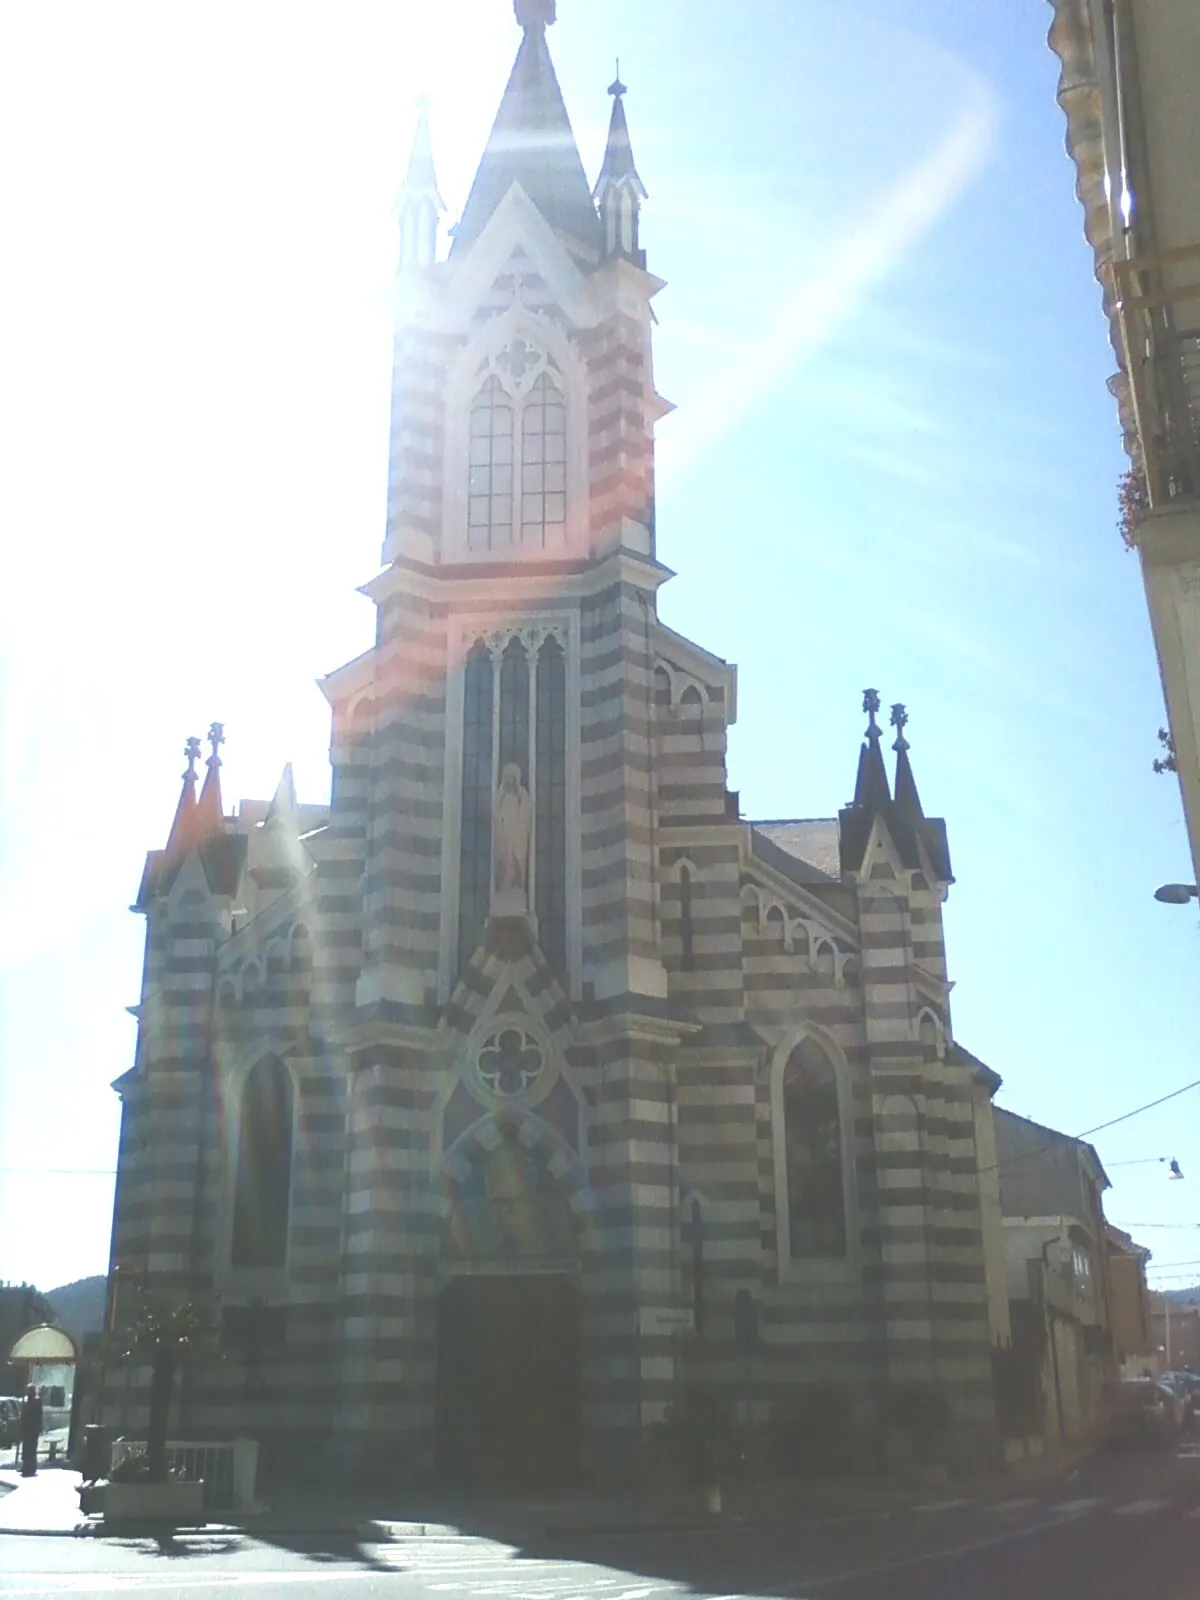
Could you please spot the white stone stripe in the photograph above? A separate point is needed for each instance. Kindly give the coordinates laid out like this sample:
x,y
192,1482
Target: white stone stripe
x,y
1141,1508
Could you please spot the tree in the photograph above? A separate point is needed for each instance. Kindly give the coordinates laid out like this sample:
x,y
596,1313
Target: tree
x,y
164,1336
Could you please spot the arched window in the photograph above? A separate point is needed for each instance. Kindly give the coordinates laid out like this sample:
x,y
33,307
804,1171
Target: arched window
x,y
550,817
490,493
517,455
475,844
812,1138
686,928
262,1193
515,712
543,465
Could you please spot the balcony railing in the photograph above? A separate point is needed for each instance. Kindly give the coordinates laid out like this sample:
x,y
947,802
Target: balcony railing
x,y
1158,305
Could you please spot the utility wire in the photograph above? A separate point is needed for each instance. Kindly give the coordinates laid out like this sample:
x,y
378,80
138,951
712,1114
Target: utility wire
x,y
1041,1149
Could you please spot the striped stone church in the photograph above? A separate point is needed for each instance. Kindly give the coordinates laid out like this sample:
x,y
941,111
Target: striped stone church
x,y
525,1085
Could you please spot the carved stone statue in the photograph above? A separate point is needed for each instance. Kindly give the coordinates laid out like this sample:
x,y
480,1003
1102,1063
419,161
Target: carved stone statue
x,y
512,825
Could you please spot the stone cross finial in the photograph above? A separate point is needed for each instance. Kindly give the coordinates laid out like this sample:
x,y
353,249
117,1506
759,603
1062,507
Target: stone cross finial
x,y
534,13
871,707
616,88
899,722
216,738
191,754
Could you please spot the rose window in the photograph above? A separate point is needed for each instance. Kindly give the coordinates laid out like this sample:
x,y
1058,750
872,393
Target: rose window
x,y
510,1061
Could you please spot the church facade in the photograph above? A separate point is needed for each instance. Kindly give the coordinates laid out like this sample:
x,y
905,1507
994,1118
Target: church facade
x,y
526,1083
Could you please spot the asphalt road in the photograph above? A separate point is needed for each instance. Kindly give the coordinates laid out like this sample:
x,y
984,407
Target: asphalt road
x,y
1127,1528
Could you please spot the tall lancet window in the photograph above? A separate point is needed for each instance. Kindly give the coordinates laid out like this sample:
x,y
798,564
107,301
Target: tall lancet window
x,y
475,866
543,465
515,717
816,1195
490,496
550,813
517,461
262,1191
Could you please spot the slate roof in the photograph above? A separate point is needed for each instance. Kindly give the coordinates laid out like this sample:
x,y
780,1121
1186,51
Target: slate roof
x,y
532,144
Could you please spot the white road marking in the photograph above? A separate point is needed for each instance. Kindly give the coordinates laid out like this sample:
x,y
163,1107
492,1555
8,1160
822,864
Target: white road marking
x,y
1000,1507
943,1505
1077,1507
147,1583
1141,1508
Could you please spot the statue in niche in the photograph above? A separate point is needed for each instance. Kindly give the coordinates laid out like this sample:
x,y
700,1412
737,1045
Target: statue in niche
x,y
512,826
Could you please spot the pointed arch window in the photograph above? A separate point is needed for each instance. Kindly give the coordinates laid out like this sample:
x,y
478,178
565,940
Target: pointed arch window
x,y
475,861
262,1191
812,1142
517,461
515,713
490,493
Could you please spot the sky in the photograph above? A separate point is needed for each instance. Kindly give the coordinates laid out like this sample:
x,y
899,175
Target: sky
x,y
893,463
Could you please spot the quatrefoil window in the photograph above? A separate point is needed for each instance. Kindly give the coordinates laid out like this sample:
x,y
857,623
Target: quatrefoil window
x,y
510,1061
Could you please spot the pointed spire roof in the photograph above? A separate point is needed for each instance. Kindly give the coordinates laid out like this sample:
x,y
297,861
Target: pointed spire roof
x,y
909,812
210,813
871,786
421,178
183,828
532,144
283,804
908,801
618,166
419,203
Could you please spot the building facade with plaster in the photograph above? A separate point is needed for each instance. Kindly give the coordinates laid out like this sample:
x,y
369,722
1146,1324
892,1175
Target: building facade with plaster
x,y
1128,89
526,1083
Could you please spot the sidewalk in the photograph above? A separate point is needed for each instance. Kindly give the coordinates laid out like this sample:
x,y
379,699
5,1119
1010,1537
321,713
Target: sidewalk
x,y
49,1504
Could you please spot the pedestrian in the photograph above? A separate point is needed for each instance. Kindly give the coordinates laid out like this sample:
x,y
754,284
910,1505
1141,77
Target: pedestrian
x,y
31,1429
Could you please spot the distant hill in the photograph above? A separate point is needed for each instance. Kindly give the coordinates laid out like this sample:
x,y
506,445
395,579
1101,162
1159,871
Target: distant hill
x,y
79,1306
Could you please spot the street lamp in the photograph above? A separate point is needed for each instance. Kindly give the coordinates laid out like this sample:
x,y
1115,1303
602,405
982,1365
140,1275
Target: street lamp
x,y
1176,894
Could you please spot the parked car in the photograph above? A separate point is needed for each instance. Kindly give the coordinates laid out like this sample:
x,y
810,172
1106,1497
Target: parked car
x,y
10,1419
1186,1384
1141,1408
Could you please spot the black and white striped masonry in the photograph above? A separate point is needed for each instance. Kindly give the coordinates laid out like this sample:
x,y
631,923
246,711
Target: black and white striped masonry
x,y
470,1119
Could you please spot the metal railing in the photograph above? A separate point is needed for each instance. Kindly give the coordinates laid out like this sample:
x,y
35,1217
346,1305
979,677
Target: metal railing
x,y
227,1467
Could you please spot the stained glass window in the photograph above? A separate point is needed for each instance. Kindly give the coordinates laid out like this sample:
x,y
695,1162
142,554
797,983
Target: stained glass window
x,y
514,708
543,465
475,863
490,492
816,1203
262,1190
550,810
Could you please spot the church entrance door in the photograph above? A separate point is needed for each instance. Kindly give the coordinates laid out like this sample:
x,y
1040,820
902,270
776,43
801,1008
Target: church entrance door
x,y
508,1380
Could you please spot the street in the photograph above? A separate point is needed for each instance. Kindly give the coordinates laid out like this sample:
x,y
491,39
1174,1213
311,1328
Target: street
x,y
1126,1526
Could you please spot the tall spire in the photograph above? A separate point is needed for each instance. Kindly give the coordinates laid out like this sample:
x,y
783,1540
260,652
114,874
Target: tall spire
x,y
871,788
619,190
210,813
183,829
531,143
908,801
419,203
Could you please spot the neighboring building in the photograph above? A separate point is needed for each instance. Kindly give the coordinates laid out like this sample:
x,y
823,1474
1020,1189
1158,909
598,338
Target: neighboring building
x,y
1051,1189
1128,1301
1174,1335
1128,86
475,1101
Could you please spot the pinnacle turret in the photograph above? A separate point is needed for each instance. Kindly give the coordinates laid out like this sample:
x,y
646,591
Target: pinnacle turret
x,y
619,189
419,204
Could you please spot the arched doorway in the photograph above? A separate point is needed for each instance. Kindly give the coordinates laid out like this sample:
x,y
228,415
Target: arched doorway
x,y
509,1331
